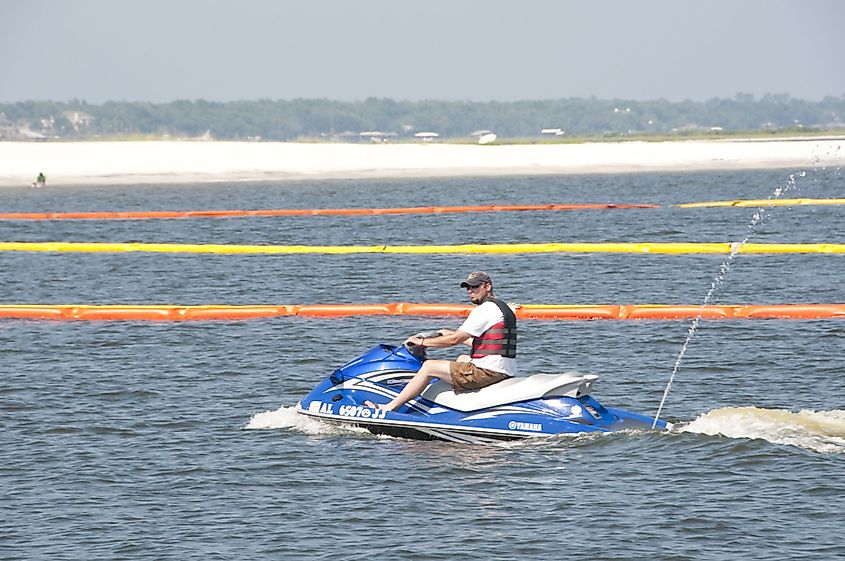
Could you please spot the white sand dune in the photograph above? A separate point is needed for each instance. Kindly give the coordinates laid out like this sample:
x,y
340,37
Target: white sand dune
x,y
103,163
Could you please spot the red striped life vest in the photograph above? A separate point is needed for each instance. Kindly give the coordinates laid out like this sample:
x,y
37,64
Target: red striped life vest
x,y
500,339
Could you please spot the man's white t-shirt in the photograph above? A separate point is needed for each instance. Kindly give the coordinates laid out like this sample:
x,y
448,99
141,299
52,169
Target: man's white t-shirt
x,y
480,319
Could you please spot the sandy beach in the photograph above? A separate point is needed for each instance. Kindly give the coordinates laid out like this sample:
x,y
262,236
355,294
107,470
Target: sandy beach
x,y
104,163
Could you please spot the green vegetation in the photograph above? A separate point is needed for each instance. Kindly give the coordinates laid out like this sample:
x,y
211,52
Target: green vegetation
x,y
579,119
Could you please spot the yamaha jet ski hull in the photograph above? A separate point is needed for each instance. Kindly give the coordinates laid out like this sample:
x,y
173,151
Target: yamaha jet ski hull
x,y
516,408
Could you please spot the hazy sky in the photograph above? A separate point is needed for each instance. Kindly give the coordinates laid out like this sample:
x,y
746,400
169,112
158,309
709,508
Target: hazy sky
x,y
162,50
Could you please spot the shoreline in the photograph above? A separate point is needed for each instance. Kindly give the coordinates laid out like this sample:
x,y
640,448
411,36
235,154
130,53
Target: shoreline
x,y
176,162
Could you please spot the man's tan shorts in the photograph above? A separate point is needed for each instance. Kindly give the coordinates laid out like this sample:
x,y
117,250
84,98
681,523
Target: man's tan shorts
x,y
467,376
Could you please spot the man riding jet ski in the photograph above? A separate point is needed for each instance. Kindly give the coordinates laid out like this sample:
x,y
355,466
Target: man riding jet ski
x,y
476,398
490,330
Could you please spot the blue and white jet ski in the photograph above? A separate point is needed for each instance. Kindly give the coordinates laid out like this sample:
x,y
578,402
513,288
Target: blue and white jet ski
x,y
521,407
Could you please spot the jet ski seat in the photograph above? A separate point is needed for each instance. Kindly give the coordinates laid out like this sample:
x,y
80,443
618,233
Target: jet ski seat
x,y
512,390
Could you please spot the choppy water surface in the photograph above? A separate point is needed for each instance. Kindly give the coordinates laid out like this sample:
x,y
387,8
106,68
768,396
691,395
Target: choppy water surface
x,y
133,440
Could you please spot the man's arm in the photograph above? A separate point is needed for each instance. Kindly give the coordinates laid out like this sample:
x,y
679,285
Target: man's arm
x,y
447,338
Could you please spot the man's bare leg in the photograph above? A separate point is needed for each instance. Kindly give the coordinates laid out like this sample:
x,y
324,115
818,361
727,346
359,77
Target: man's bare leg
x,y
430,369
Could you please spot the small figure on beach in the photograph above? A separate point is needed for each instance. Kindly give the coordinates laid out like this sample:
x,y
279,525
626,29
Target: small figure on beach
x,y
40,181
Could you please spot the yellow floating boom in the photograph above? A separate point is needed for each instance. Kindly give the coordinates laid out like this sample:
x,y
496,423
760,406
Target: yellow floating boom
x,y
765,203
635,247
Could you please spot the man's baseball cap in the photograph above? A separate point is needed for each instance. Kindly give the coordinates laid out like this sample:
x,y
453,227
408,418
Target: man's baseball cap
x,y
476,278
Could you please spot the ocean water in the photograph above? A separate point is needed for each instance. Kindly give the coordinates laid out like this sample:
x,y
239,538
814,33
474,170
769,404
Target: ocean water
x,y
144,440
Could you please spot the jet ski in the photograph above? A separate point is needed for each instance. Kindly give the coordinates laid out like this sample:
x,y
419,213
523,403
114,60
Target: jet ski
x,y
515,408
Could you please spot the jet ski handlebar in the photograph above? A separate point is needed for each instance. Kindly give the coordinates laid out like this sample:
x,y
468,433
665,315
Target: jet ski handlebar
x,y
419,350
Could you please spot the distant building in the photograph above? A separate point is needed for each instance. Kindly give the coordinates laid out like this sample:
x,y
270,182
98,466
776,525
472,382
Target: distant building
x,y
427,136
48,125
376,136
484,136
78,119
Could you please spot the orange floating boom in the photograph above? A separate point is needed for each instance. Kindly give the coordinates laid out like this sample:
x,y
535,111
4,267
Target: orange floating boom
x,y
169,214
527,312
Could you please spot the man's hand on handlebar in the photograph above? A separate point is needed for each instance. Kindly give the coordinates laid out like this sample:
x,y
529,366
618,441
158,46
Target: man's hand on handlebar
x,y
419,338
414,341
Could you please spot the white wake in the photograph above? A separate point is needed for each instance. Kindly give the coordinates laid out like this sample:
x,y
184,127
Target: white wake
x,y
819,431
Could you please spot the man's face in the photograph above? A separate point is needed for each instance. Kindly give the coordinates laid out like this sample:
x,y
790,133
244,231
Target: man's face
x,y
478,294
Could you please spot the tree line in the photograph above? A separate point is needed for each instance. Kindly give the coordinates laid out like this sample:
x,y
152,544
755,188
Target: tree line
x,y
302,119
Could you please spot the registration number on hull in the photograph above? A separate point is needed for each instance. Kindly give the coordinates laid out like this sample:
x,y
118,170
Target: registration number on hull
x,y
361,411
347,410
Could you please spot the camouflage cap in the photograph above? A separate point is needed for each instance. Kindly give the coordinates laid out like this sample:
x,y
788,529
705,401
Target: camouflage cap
x,y
476,278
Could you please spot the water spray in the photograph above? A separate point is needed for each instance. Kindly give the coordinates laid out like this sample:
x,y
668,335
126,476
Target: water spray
x,y
757,218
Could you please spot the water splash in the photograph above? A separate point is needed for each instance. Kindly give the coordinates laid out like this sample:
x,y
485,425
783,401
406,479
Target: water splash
x,y
288,418
818,431
757,218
